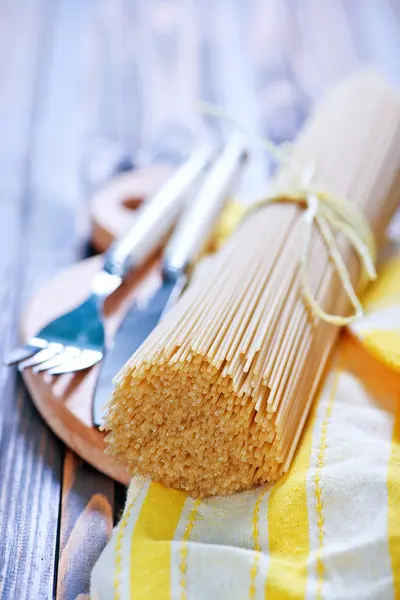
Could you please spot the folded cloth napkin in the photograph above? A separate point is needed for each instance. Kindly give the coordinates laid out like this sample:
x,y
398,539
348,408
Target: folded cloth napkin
x,y
380,329
329,529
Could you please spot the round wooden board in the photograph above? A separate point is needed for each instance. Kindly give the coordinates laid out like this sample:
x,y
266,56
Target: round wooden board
x,y
112,207
65,401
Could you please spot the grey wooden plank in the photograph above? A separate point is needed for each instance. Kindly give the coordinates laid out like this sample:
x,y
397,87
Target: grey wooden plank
x,y
30,457
44,120
30,473
168,55
57,204
86,525
232,81
18,73
55,238
275,45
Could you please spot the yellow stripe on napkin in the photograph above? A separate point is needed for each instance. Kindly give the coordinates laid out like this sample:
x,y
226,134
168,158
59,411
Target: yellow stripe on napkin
x,y
150,560
288,529
393,484
386,291
379,329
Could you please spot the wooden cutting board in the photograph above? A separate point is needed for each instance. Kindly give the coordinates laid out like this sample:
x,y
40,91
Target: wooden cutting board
x,y
65,402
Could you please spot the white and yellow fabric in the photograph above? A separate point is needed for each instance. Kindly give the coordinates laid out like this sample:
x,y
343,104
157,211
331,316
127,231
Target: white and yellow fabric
x,y
380,329
330,529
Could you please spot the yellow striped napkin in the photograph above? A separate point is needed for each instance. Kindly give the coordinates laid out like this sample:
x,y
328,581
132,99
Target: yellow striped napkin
x,y
379,331
330,529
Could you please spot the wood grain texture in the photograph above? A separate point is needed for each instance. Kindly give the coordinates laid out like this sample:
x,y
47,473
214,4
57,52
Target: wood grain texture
x,y
266,60
57,228
30,456
40,163
86,525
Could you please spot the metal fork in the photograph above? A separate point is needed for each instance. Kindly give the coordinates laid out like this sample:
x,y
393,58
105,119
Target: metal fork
x,y
76,340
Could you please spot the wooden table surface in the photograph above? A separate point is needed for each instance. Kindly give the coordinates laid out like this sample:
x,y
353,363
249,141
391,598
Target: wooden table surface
x,y
265,60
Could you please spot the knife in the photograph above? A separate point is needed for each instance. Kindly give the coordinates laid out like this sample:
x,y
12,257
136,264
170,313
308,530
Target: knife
x,y
185,246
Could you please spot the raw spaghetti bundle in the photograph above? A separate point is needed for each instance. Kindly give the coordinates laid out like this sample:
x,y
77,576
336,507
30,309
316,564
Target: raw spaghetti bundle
x,y
216,398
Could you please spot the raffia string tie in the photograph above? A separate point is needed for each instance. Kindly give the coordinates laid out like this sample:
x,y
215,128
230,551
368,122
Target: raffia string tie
x,y
328,213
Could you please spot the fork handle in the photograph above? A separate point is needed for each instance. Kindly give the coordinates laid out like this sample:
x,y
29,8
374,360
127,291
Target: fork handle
x,y
156,218
200,214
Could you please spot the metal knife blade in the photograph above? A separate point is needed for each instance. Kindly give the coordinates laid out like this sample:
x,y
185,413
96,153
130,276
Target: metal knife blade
x,y
137,324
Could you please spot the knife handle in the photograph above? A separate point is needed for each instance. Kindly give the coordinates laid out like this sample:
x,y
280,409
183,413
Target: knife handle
x,y
156,217
201,213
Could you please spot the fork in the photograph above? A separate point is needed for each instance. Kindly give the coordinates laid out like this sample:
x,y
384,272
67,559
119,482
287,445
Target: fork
x,y
76,340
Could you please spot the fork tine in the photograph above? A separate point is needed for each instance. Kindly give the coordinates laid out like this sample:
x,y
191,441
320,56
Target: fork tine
x,y
20,354
45,354
67,354
23,352
85,360
49,364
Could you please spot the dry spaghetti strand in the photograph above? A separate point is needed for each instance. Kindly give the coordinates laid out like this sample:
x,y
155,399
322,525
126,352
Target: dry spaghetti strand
x,y
216,398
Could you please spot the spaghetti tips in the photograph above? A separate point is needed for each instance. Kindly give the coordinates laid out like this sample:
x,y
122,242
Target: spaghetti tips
x,y
216,398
